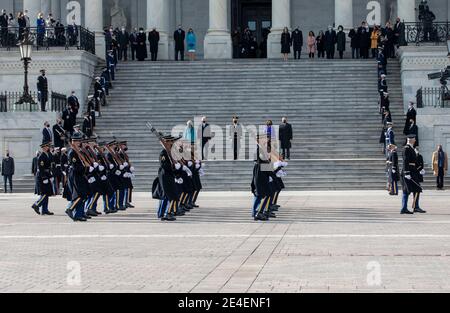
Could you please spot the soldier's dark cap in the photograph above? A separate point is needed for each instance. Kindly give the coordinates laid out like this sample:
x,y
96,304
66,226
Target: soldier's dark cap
x,y
112,143
46,144
42,70
411,136
77,137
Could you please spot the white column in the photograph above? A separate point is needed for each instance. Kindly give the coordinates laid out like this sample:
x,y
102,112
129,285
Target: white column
x,y
56,9
94,22
33,7
406,10
217,43
158,16
46,7
281,18
343,13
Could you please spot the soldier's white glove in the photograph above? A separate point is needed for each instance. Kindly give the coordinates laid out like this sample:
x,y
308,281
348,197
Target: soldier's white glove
x,y
198,165
277,164
118,173
91,169
188,171
125,164
101,168
190,163
284,164
91,180
201,172
64,173
270,179
408,177
52,179
179,180
393,171
279,174
104,178
111,166
177,166
284,174
95,164
45,181
197,161
422,172
121,167
132,169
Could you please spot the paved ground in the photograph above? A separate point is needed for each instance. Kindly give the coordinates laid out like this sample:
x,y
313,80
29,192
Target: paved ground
x,y
321,242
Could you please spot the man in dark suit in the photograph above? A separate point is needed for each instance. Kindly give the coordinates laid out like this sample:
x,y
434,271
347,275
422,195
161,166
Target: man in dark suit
x,y
69,119
330,42
4,27
413,130
59,134
133,43
178,36
285,136
42,87
8,171
153,38
73,102
297,42
411,114
47,133
124,40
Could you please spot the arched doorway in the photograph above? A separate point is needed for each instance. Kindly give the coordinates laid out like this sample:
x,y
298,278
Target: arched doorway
x,y
256,15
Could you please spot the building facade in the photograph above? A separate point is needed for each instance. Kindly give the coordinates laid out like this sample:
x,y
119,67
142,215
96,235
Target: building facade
x,y
212,20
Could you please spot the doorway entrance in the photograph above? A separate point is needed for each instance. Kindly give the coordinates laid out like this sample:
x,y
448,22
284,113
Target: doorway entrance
x,y
256,15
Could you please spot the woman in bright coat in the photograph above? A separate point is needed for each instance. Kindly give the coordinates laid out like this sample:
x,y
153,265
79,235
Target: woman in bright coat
x,y
311,44
374,41
191,42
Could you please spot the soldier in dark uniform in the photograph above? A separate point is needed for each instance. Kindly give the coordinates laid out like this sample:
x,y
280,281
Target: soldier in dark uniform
x,y
167,182
87,125
104,186
126,177
65,171
197,172
393,170
77,182
382,62
44,180
260,186
410,178
411,114
278,183
114,177
42,87
57,170
59,134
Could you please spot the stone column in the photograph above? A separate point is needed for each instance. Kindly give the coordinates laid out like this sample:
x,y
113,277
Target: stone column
x,y
217,43
158,16
94,22
406,11
56,9
343,13
281,17
46,7
33,7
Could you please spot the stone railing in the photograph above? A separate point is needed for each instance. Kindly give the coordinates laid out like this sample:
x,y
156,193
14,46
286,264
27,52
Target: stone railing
x,y
422,33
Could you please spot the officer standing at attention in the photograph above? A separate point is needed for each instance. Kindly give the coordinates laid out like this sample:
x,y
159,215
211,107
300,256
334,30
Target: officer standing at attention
x,y
411,177
393,170
42,87
44,180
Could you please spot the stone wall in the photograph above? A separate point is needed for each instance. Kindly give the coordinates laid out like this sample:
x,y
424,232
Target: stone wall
x,y
66,71
21,134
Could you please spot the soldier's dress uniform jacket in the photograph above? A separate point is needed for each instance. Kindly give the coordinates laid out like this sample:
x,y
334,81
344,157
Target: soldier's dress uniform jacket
x,y
260,183
410,167
78,185
166,177
44,174
393,166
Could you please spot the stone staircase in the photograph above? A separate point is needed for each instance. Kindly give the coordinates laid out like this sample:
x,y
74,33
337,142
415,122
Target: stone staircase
x,y
332,105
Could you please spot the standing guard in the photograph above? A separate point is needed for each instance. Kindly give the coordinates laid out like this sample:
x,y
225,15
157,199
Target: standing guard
x,y
393,170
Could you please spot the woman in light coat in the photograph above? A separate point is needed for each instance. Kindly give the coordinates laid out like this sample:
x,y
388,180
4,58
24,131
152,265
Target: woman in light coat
x,y
311,44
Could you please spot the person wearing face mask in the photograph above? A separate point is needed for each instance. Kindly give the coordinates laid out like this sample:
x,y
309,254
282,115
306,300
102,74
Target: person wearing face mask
x,y
59,134
179,36
141,52
124,40
285,136
440,166
133,43
153,38
8,171
364,37
191,42
47,133
341,41
4,27
330,42
42,87
235,137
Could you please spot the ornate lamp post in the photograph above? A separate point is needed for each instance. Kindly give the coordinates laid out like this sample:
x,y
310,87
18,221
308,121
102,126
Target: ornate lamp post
x,y
25,47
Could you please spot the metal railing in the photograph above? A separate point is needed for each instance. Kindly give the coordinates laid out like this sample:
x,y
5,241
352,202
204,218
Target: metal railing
x,y
48,37
9,102
433,97
419,33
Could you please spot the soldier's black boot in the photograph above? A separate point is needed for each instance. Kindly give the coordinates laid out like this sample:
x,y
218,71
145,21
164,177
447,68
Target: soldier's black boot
x,y
260,217
419,210
36,209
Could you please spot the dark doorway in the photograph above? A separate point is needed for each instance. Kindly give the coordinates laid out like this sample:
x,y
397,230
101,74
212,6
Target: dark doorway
x,y
256,15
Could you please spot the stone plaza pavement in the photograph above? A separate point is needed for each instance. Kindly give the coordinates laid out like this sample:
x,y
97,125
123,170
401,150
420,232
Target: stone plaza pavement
x,y
321,242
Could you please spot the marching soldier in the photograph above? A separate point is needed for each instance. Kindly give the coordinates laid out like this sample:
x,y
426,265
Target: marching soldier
x,y
115,171
128,174
77,182
260,187
410,177
44,180
393,170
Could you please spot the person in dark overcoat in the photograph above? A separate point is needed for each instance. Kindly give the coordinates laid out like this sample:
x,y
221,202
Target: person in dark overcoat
x,y
286,43
330,42
141,51
297,42
393,170
411,114
42,87
153,38
179,36
341,41
320,42
44,180
354,42
260,186
285,137
123,42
